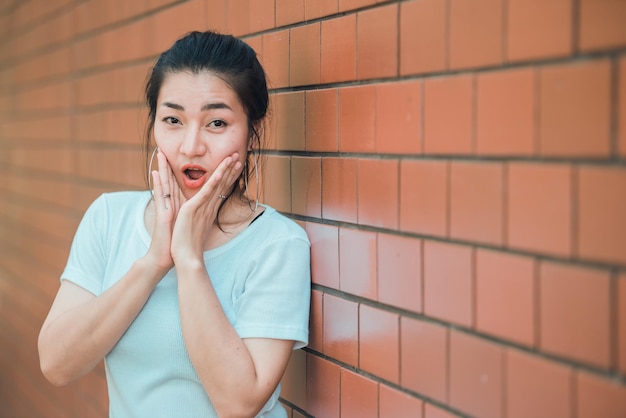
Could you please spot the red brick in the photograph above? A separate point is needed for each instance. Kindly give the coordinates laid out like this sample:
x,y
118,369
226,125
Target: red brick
x,y
322,120
306,193
173,23
476,375
393,403
127,84
289,11
92,127
55,96
357,116
314,9
339,188
599,397
217,18
91,15
44,160
55,129
602,24
377,42
339,49
55,29
575,313
400,272
275,58
539,208
505,112
575,108
304,55
341,329
379,343
153,4
287,121
431,411
448,115
448,285
398,117
475,33
621,108
124,126
139,41
424,358
424,197
422,36
621,323
505,302
87,52
316,322
536,387
538,29
277,182
345,5
262,14
476,202
357,263
377,193
238,23
601,207
324,254
323,396
359,396
47,65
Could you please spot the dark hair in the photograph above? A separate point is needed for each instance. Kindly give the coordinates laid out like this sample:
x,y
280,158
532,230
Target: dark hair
x,y
226,57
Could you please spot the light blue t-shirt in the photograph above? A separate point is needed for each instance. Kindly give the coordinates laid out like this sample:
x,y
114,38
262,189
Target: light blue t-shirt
x,y
261,277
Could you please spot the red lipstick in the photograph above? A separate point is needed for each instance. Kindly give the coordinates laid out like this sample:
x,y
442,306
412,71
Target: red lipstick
x,y
194,176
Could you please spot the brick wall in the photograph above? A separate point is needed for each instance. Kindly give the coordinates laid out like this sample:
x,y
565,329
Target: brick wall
x,y
460,167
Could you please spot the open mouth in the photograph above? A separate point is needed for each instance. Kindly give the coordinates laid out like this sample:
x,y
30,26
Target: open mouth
x,y
194,173
194,176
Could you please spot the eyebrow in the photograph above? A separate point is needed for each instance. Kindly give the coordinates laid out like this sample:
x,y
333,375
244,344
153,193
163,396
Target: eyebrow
x,y
208,106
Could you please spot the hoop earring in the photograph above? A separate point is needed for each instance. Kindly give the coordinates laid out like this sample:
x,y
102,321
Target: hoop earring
x,y
245,180
150,184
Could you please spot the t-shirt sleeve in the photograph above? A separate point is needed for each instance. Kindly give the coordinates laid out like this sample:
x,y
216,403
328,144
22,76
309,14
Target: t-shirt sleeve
x,y
86,263
275,302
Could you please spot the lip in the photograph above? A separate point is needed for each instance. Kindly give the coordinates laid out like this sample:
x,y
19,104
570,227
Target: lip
x,y
193,183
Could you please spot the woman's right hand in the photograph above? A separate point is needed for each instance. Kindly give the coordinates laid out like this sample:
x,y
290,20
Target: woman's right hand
x,y
166,196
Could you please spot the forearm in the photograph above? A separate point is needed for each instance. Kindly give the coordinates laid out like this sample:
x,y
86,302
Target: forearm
x,y
75,341
219,355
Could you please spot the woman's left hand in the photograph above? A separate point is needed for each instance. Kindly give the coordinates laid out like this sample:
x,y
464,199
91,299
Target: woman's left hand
x,y
196,216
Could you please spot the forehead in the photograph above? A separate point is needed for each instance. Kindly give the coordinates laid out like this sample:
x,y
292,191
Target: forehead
x,y
197,89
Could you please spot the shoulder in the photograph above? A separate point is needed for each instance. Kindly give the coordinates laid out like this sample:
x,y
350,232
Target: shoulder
x,y
115,207
277,226
123,198
119,201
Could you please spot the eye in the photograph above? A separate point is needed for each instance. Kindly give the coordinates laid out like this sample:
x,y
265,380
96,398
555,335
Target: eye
x,y
217,123
171,120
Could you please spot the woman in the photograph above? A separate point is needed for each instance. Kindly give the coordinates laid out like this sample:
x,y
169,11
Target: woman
x,y
194,294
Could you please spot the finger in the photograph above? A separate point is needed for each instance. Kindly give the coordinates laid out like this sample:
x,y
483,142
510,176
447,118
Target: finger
x,y
230,175
175,191
165,177
224,179
158,190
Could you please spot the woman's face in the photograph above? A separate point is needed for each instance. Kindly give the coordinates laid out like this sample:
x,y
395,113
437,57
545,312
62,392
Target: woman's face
x,y
199,122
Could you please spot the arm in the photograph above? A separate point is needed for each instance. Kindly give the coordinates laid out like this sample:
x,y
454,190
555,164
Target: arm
x,y
81,328
239,375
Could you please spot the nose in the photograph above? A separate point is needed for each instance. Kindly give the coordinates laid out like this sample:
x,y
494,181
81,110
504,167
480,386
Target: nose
x,y
192,143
